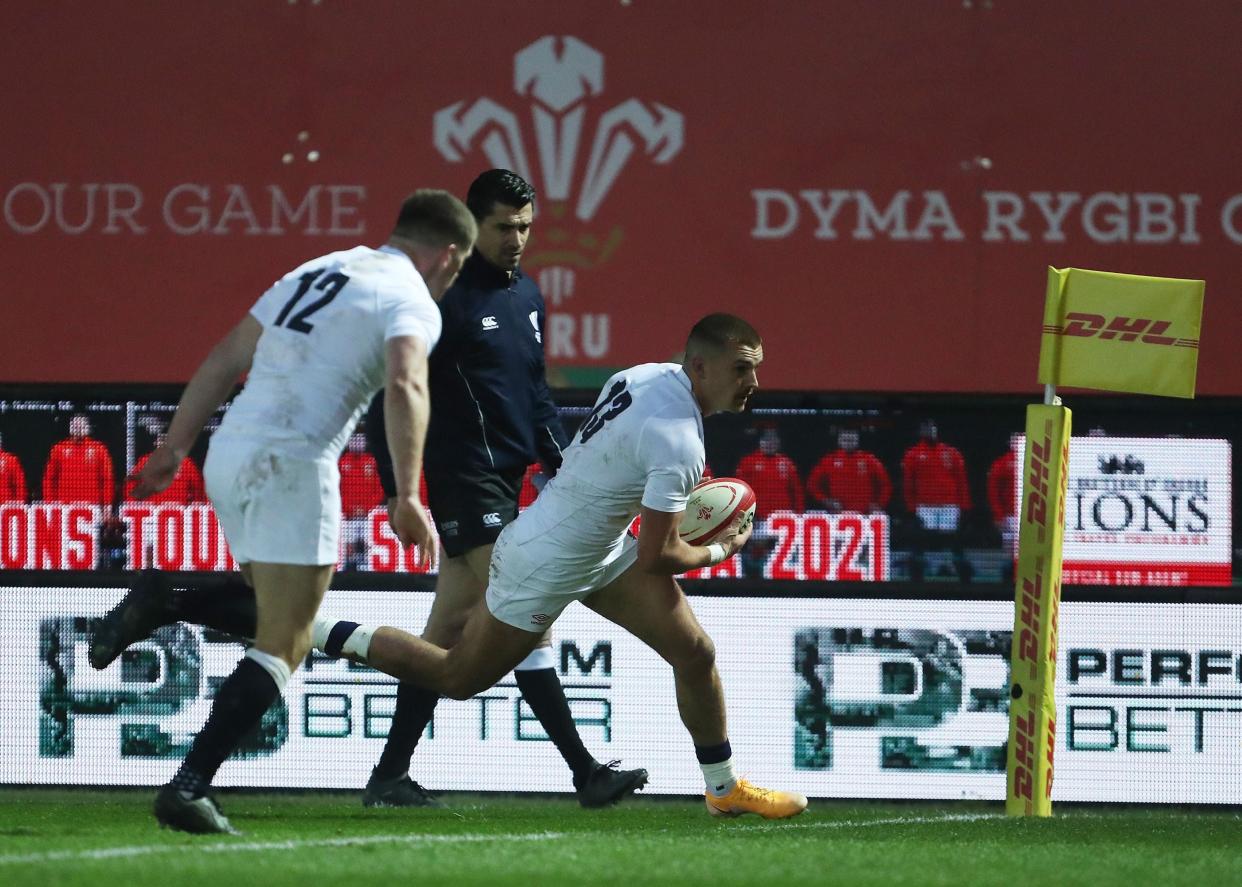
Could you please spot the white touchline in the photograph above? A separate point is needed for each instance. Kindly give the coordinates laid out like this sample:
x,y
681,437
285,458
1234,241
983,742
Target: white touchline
x,y
897,820
231,847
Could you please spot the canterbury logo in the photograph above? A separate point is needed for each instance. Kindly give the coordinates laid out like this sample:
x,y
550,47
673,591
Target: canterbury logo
x,y
1123,329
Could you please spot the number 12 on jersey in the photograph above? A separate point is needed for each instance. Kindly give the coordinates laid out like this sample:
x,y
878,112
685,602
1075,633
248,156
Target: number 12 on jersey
x,y
330,286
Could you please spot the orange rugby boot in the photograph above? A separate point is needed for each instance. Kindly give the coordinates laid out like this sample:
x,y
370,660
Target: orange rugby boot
x,y
747,798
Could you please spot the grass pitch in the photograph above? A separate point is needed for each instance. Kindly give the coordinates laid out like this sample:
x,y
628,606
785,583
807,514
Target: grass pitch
x,y
51,837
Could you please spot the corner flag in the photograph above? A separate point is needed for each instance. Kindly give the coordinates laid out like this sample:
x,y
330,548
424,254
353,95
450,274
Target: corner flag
x,y
1121,332
1116,332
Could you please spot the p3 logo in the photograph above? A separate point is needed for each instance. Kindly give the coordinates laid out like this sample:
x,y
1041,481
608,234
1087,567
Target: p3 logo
x,y
901,699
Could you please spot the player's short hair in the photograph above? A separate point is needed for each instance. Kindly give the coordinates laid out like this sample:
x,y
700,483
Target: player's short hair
x,y
498,186
716,331
436,219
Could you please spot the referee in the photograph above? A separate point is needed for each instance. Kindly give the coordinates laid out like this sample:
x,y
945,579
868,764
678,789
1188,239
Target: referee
x,y
491,416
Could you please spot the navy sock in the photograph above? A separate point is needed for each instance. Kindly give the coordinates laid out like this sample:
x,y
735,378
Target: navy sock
x,y
239,704
337,637
415,706
544,694
713,754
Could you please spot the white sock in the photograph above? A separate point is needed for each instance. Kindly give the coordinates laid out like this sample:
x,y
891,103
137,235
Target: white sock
x,y
273,665
356,646
537,660
719,777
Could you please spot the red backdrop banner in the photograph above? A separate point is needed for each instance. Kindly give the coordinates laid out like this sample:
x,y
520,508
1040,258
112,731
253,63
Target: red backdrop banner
x,y
879,186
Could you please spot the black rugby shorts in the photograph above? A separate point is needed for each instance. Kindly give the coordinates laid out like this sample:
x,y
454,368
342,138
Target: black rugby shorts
x,y
471,508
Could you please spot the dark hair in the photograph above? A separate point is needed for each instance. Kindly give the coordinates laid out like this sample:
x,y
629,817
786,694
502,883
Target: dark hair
x,y
715,331
498,186
436,219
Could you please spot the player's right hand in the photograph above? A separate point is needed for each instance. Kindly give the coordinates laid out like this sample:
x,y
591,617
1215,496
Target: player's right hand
x,y
410,522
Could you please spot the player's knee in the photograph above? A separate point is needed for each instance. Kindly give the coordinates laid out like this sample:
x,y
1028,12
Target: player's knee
x,y
446,632
300,648
292,649
697,655
465,673
460,686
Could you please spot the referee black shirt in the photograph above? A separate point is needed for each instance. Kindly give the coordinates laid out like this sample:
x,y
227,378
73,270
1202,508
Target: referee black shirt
x,y
491,410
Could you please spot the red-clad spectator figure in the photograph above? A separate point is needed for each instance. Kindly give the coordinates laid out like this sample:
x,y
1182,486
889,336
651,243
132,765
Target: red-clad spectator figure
x,y
12,477
778,487
772,475
849,479
1002,501
935,490
1002,494
79,468
186,488
361,492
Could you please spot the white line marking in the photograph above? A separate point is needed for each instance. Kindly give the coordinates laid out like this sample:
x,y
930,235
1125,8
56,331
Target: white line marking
x,y
364,840
230,847
900,820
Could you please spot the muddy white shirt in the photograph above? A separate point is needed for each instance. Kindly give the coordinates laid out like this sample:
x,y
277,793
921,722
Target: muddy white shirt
x,y
641,445
320,358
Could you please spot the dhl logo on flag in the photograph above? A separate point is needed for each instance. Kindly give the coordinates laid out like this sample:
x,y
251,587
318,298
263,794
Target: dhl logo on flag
x,y
1121,332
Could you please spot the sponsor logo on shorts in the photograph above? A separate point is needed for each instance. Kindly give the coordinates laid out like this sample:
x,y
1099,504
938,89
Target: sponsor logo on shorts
x,y
489,323
449,528
539,619
491,519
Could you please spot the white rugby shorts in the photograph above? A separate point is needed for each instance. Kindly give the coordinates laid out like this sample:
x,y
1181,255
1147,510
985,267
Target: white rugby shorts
x,y
274,508
530,583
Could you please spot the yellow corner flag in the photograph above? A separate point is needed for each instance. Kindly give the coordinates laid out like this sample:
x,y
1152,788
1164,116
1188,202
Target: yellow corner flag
x,y
1115,332
1121,332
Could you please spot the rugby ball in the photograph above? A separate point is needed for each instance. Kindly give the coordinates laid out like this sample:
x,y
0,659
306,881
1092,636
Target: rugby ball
x,y
715,504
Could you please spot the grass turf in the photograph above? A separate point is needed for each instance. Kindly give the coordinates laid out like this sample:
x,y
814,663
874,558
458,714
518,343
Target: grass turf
x,y
100,837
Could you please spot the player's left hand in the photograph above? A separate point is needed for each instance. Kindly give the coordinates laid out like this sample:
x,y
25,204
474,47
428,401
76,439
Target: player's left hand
x,y
156,474
738,535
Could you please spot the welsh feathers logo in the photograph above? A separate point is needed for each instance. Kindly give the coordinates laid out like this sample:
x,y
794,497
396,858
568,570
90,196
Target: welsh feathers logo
x,y
581,141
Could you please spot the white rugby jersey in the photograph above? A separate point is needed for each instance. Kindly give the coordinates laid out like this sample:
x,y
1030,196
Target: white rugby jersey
x,y
320,358
642,444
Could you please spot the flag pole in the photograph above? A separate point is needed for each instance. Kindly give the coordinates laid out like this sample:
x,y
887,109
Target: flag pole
x,y
1037,598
